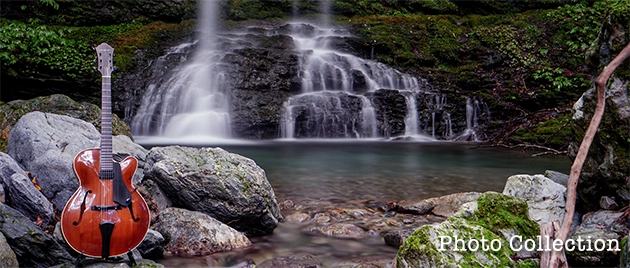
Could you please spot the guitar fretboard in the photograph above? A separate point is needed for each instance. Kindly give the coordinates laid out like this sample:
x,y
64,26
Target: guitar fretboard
x,y
106,127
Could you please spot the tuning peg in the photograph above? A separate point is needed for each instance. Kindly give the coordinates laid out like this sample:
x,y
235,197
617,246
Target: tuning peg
x,y
95,60
114,68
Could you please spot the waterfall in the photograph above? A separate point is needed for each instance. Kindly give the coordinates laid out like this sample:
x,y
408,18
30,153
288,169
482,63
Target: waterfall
x,y
369,118
330,74
474,110
194,101
294,80
411,120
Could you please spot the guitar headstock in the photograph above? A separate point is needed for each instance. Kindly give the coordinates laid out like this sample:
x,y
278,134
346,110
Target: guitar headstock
x,y
105,55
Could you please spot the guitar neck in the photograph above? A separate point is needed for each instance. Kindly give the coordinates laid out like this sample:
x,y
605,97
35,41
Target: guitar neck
x,y
106,125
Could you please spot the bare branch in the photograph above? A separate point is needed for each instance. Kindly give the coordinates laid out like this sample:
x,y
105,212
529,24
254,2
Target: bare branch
x,y
571,196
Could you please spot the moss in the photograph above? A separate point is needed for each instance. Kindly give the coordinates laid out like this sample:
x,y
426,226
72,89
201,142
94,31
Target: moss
x,y
527,264
500,212
552,133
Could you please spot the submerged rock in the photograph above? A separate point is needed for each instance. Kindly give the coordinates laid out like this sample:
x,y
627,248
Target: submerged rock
x,y
191,233
301,260
414,207
226,186
338,230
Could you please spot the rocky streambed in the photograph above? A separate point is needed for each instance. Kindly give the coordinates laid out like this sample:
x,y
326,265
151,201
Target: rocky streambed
x,y
210,204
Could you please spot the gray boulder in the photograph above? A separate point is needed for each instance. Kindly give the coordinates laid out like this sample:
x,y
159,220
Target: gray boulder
x,y
448,205
46,144
191,233
32,246
544,197
598,226
226,186
21,194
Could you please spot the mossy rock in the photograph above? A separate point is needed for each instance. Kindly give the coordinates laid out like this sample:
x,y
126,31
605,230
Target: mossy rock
x,y
496,217
11,112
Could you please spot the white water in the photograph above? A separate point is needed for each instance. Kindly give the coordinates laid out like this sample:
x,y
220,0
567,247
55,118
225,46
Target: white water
x,y
473,110
323,71
195,100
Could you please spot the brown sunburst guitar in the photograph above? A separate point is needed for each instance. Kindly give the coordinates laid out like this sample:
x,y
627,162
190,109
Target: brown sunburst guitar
x,y
106,216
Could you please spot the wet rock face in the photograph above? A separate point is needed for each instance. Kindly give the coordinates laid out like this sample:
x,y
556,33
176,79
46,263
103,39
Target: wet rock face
x,y
606,169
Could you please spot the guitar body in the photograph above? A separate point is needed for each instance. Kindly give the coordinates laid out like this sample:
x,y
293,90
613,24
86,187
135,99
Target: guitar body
x,y
92,204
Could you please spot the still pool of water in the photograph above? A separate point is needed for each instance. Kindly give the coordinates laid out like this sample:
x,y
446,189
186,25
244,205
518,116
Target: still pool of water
x,y
343,173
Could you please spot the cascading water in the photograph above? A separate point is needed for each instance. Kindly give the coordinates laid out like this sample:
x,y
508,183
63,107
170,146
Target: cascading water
x,y
295,80
194,101
341,78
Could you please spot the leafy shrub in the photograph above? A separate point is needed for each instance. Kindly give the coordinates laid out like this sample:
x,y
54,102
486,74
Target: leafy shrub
x,y
29,50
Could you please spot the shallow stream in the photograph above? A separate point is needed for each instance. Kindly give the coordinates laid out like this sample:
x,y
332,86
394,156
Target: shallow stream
x,y
343,174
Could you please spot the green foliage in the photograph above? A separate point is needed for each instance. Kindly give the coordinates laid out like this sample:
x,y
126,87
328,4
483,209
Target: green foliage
x,y
619,10
51,3
392,7
30,50
578,24
257,9
555,80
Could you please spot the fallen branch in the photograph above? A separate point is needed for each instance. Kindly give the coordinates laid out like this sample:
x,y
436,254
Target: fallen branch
x,y
571,196
524,146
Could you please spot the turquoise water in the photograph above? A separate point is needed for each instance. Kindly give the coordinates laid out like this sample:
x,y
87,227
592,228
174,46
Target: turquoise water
x,y
343,174
392,170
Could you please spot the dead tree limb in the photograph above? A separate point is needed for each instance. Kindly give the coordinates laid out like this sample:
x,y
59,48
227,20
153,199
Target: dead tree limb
x,y
600,85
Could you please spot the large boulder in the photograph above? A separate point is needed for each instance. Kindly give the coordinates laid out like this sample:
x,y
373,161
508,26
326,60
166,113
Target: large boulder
x,y
191,233
11,112
226,186
22,194
493,218
32,246
595,228
544,197
45,145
